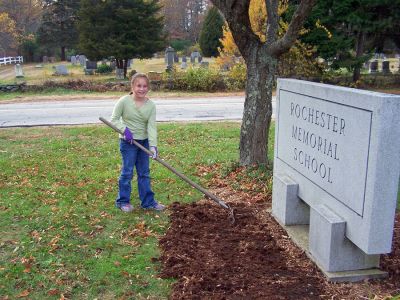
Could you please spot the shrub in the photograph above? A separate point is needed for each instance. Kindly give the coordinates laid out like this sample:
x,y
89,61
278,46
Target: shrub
x,y
104,69
236,77
194,79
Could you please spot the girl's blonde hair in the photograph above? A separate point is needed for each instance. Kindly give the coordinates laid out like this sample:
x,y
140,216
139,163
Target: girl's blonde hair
x,y
139,75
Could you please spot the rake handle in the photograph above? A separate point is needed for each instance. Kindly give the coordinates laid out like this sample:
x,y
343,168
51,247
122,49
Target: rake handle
x,y
173,170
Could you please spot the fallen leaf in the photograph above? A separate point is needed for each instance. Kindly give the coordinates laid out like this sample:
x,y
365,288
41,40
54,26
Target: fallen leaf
x,y
23,294
53,292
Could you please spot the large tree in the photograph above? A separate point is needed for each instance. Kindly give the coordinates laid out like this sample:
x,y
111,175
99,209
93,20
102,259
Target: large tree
x,y
124,29
58,27
261,59
211,33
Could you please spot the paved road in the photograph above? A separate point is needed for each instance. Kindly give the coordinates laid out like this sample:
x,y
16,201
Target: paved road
x,y
88,111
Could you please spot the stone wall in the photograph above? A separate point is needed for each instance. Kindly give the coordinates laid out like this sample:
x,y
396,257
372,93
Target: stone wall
x,y
12,87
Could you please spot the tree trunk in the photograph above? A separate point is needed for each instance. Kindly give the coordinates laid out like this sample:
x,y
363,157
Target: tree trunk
x,y
359,53
257,107
62,53
125,67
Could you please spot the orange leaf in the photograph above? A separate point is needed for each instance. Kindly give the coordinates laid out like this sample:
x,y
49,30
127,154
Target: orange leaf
x,y
23,294
53,292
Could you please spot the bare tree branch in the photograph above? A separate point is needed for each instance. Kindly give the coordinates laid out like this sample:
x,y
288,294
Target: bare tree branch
x,y
272,20
282,45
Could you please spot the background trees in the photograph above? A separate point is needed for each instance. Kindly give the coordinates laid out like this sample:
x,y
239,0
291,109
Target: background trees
x,y
211,33
19,20
124,29
58,27
184,18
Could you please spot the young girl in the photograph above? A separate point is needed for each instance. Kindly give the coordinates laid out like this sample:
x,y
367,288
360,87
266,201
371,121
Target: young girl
x,y
135,115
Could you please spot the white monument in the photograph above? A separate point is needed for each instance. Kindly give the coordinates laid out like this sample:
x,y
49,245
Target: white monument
x,y
336,168
18,71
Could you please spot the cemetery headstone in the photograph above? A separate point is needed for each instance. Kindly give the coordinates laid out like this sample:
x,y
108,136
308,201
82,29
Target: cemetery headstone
x,y
91,67
60,70
129,63
18,71
73,60
113,64
82,60
176,58
373,66
52,59
336,168
45,59
169,57
184,65
200,58
193,56
386,67
184,58
119,73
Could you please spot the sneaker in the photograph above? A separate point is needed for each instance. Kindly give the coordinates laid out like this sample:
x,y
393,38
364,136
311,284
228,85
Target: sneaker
x,y
126,207
158,207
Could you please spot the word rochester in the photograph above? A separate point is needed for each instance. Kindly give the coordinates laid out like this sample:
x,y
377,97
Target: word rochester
x,y
320,119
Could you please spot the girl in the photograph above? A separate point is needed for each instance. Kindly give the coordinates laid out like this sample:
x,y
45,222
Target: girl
x,y
135,115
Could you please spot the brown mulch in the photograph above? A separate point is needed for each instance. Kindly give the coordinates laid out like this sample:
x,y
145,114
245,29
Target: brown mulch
x,y
253,258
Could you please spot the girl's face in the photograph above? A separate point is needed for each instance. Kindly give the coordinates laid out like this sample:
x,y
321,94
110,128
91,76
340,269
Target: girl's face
x,y
140,88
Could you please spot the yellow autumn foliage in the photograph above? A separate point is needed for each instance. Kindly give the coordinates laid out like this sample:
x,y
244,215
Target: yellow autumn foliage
x,y
297,62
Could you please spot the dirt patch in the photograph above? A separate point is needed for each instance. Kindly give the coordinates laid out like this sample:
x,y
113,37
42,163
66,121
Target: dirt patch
x,y
252,259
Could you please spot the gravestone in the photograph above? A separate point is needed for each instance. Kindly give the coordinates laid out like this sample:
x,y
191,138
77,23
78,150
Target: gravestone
x,y
60,70
82,60
184,63
386,67
52,59
200,59
373,66
193,56
176,58
18,71
45,59
336,168
73,60
91,67
169,57
129,63
113,64
119,74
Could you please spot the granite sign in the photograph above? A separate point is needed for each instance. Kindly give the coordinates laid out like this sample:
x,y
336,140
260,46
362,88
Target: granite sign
x,y
337,160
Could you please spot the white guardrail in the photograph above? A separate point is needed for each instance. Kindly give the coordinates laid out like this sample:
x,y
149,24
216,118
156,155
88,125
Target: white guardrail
x,y
11,60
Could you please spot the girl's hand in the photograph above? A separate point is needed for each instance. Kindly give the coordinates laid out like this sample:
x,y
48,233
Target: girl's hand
x,y
128,135
155,152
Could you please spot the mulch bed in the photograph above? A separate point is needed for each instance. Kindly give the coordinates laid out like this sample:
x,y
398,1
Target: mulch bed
x,y
253,258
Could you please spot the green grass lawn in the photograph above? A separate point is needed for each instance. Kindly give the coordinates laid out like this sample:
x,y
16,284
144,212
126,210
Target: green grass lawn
x,y
61,234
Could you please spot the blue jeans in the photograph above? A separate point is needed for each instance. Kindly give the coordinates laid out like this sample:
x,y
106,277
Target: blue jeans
x,y
133,156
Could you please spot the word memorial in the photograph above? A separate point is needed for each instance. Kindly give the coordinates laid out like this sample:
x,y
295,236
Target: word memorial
x,y
336,169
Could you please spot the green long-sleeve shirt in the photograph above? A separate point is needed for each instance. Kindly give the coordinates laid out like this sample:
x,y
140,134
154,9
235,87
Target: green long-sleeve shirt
x,y
140,120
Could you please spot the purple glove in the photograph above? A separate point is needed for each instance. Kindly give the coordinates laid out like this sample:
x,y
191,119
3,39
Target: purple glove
x,y
155,151
128,135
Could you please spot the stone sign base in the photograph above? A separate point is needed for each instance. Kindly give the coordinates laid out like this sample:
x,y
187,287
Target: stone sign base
x,y
321,233
299,234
